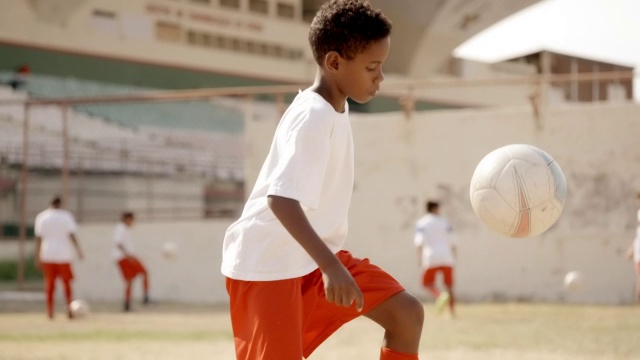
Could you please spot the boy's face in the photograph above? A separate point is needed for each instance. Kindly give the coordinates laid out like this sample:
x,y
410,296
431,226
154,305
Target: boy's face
x,y
360,77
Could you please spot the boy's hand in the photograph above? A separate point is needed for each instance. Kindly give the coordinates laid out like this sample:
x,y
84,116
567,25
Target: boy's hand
x,y
340,287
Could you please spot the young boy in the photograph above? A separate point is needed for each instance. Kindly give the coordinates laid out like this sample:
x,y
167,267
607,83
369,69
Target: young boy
x,y
55,230
290,283
130,266
436,245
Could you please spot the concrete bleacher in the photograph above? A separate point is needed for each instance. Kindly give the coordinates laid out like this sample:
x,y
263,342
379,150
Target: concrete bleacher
x,y
193,115
190,137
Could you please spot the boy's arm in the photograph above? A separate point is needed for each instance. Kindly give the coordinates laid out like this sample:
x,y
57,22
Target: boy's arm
x,y
76,245
340,287
37,252
124,251
118,238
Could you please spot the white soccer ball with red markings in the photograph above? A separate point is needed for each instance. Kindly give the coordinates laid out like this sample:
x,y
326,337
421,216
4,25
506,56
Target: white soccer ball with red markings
x,y
518,190
573,281
79,308
169,250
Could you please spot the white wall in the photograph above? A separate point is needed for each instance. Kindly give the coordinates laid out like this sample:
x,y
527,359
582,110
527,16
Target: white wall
x,y
192,276
400,163
100,196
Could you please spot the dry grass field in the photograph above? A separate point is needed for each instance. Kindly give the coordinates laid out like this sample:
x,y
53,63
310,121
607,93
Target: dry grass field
x,y
170,331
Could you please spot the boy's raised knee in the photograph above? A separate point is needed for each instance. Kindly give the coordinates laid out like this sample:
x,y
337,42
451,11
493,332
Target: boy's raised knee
x,y
415,310
404,313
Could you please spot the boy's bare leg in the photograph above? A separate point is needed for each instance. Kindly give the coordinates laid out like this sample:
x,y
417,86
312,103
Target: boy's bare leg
x,y
452,300
433,291
401,316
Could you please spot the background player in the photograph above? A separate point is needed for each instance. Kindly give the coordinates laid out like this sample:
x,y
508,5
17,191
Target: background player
x,y
55,235
290,283
130,265
436,245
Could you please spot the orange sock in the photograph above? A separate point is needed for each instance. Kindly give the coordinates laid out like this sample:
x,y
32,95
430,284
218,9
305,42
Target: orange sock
x,y
388,354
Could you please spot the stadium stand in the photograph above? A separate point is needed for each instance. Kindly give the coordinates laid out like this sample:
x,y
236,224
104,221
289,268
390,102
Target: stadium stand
x,y
197,137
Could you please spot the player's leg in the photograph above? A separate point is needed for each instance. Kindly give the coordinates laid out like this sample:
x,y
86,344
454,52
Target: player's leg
x,y
145,287
49,286
68,296
401,316
266,318
128,275
141,270
127,294
447,272
385,301
428,282
66,275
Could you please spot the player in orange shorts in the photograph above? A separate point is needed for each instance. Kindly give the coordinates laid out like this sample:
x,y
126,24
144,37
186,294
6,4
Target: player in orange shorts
x,y
130,265
290,283
55,236
436,243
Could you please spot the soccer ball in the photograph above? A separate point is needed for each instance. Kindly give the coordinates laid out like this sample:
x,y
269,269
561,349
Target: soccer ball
x,y
169,250
79,308
573,281
518,191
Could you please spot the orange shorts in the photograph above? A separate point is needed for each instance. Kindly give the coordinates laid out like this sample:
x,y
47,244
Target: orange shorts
x,y
288,319
130,267
429,277
54,270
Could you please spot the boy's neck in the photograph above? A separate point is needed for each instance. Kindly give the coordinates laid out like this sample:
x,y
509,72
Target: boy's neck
x,y
329,92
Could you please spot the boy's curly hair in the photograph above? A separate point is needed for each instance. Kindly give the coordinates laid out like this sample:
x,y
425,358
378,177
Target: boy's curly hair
x,y
347,27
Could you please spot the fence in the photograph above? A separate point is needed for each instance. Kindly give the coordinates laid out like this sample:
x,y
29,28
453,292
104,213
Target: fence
x,y
71,161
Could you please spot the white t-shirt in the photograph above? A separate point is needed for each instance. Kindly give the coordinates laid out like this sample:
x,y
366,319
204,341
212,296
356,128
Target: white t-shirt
x,y
122,236
55,226
436,237
310,160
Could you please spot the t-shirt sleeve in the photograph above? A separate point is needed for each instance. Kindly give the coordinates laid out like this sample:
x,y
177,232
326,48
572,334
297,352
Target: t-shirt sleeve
x,y
303,161
73,226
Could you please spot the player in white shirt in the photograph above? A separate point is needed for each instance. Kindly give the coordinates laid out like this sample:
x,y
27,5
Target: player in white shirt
x,y
634,253
55,239
290,283
436,245
124,254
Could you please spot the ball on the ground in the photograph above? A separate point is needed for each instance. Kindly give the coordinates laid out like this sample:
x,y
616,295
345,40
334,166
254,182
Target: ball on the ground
x,y
79,308
169,250
518,190
573,281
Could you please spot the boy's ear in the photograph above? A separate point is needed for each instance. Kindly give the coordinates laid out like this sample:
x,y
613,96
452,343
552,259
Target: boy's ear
x,y
332,61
